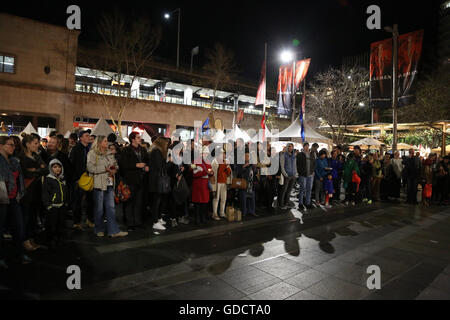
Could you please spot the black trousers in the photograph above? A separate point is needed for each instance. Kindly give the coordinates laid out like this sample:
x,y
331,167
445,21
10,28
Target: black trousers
x,y
201,212
133,208
158,204
55,219
411,185
82,197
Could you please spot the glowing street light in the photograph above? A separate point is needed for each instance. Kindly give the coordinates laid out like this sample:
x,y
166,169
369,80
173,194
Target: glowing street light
x,y
167,16
287,56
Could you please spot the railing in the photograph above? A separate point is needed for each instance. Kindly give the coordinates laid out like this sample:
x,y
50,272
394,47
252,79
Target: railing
x,y
151,96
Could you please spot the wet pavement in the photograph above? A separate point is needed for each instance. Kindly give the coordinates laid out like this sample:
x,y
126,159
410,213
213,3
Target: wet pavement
x,y
318,254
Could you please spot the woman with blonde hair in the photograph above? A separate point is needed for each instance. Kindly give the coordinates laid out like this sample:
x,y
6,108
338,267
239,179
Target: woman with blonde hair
x,y
102,164
158,167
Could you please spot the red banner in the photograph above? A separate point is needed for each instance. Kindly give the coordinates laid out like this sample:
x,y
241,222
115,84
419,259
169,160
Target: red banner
x,y
284,88
409,51
261,94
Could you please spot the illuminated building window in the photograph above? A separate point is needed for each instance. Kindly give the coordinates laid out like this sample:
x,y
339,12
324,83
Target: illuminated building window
x,y
7,64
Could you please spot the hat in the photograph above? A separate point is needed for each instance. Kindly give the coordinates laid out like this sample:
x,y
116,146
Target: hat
x,y
80,134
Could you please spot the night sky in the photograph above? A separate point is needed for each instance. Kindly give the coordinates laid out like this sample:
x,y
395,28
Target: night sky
x,y
326,30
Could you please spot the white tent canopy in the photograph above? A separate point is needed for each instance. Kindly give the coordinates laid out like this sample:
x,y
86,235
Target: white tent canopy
x,y
237,133
102,128
256,138
367,142
146,137
294,131
29,129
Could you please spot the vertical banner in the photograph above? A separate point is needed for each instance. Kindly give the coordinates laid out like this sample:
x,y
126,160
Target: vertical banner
x,y
381,74
284,90
409,51
301,69
261,94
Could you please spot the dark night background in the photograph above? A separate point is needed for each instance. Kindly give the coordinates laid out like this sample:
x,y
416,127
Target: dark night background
x,y
327,30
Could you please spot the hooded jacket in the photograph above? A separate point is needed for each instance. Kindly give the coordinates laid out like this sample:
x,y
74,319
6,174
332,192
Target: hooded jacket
x,y
54,189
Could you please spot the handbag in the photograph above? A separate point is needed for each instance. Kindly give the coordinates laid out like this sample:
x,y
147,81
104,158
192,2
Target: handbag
x,y
123,192
239,183
163,183
230,213
86,182
4,199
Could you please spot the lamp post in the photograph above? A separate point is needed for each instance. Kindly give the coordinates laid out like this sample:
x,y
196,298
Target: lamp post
x,y
394,32
167,17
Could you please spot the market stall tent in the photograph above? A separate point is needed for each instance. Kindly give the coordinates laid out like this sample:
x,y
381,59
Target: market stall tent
x,y
29,129
102,128
294,131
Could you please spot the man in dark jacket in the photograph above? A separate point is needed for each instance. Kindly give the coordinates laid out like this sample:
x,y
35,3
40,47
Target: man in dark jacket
x,y
412,172
133,165
306,165
78,159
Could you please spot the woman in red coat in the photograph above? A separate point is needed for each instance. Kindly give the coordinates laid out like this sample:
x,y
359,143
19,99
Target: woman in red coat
x,y
200,188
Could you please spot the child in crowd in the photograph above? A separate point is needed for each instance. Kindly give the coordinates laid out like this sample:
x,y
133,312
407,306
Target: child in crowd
x,y
54,198
329,189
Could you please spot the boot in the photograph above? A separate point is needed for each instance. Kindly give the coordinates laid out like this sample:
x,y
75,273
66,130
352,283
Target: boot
x,y
28,246
34,244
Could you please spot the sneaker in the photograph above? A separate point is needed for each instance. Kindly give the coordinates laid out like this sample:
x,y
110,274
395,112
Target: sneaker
x,y
3,264
161,221
216,218
254,214
78,227
369,202
328,206
174,223
158,226
119,234
7,236
26,259
183,220
223,216
89,224
100,234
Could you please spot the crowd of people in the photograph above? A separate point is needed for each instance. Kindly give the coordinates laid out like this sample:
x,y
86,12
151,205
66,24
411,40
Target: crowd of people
x,y
41,184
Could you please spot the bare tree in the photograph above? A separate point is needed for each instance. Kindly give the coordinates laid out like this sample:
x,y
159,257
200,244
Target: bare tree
x,y
221,66
127,48
432,100
335,98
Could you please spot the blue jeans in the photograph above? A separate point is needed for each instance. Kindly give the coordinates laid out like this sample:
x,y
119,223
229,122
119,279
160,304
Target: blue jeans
x,y
247,200
105,199
306,184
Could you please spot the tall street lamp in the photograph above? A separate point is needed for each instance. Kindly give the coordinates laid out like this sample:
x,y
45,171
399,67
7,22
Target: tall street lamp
x,y
288,56
394,31
167,17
